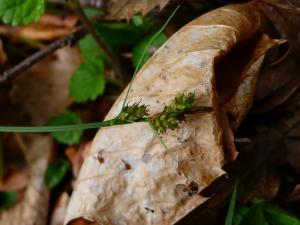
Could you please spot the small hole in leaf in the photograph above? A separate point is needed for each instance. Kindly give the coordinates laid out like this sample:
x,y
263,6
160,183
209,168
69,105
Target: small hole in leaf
x,y
127,166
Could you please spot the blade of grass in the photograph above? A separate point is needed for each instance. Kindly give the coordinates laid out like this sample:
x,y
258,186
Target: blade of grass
x,y
156,133
47,129
231,209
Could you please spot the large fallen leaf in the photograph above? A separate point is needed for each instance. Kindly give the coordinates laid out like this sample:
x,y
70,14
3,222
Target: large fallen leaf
x,y
280,80
32,209
42,91
125,9
129,177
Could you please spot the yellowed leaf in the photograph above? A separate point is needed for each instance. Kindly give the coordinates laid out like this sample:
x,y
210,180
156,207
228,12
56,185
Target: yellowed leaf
x,y
129,177
43,91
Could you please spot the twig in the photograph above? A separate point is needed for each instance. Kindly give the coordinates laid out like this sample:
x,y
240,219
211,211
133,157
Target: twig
x,y
31,60
116,64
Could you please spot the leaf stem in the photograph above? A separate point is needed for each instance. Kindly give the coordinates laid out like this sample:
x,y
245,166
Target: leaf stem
x,y
116,64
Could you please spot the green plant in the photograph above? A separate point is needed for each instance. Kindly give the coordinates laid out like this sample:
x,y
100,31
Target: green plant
x,y
88,82
17,12
7,199
56,172
68,137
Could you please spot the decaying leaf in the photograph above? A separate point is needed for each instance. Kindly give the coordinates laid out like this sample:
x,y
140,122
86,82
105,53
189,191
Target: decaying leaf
x,y
129,177
50,27
241,102
51,95
3,57
59,212
76,156
280,80
32,209
125,9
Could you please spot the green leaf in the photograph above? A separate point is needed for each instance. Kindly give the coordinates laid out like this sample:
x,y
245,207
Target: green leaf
x,y
88,81
239,214
231,209
117,33
142,45
67,137
255,216
90,49
137,20
56,172
17,12
7,199
90,12
277,216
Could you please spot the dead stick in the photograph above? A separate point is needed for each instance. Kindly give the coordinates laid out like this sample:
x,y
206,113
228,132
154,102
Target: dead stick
x,y
36,57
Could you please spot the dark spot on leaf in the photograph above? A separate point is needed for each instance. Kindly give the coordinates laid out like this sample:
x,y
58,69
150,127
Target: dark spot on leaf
x,y
150,210
191,188
100,157
127,165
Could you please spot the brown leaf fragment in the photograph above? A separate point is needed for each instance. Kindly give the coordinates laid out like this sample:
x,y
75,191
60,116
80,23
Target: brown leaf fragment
x,y
50,27
43,91
150,192
60,208
125,9
279,81
32,209
76,156
241,102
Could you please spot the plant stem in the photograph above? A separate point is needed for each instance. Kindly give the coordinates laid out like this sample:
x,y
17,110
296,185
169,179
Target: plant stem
x,y
116,64
46,129
31,60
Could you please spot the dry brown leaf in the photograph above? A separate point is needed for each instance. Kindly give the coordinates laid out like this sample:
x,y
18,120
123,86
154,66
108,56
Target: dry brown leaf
x,y
280,80
60,208
33,208
241,102
129,177
43,90
125,9
76,156
3,57
50,27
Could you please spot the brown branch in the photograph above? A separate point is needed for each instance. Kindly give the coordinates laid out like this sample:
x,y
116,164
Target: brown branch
x,y
116,64
36,57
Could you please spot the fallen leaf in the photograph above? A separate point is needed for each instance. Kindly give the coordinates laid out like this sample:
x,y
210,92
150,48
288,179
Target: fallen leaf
x,y
280,80
3,56
60,209
50,27
33,207
76,156
240,103
129,177
42,91
125,9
